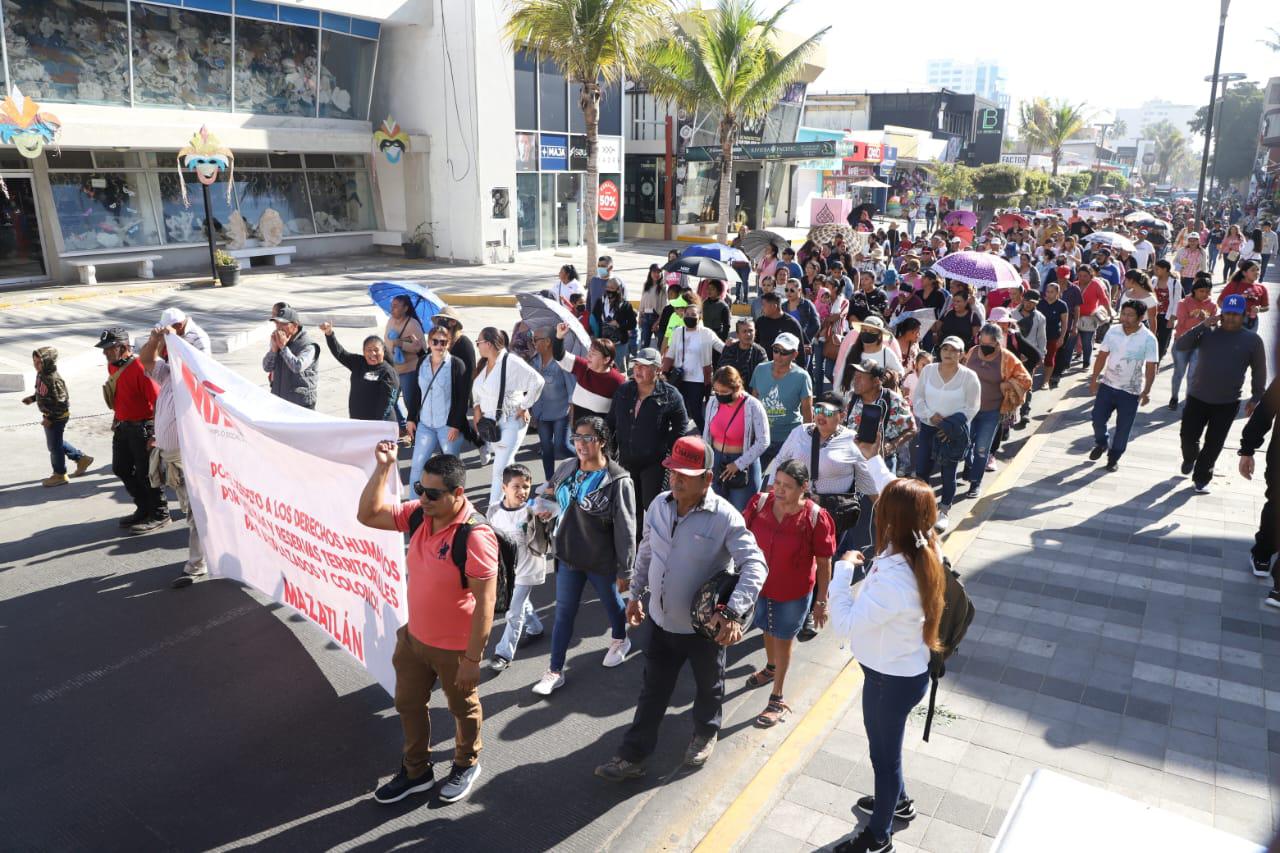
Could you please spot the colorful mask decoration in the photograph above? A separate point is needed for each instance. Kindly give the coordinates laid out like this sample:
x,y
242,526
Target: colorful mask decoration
x,y
206,157
23,125
392,141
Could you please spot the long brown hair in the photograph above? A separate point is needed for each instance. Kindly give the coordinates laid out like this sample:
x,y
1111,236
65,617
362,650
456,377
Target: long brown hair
x,y
905,510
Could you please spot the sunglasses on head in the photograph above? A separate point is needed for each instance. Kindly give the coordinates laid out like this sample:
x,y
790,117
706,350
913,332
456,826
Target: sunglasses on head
x,y
429,493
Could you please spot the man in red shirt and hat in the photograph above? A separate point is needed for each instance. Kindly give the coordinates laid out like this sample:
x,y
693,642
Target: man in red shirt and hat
x,y
132,394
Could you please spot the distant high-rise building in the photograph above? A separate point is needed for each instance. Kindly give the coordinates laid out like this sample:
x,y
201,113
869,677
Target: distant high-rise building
x,y
979,77
1152,112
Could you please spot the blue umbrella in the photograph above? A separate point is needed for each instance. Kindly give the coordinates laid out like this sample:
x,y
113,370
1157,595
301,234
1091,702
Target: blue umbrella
x,y
718,251
425,303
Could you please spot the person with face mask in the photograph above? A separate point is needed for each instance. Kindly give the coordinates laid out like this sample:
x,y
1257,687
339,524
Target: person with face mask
x,y
947,391
616,319
596,287
737,430
868,340
1003,382
687,360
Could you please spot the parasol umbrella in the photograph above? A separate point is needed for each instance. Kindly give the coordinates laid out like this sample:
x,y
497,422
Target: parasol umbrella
x,y
965,218
717,251
753,243
1005,221
541,312
1112,239
871,183
979,269
702,267
425,303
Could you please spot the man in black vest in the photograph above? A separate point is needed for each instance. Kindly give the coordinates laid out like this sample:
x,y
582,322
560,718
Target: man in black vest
x,y
291,360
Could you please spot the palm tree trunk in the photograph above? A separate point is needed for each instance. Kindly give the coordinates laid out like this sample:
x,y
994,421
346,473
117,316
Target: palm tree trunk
x,y
1057,155
728,129
589,101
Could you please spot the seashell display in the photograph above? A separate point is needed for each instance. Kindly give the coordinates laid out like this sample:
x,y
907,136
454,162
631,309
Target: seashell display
x,y
236,231
271,227
181,227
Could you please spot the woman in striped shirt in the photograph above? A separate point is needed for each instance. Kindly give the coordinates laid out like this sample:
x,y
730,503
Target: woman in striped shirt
x,y
596,376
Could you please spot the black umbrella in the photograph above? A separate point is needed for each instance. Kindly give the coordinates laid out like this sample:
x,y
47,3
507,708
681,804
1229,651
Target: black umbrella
x,y
702,268
541,312
753,243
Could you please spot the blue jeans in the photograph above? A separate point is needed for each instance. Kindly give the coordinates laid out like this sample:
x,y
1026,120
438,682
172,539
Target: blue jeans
x,y
982,430
738,497
924,464
647,319
569,585
620,351
552,438
59,448
1183,362
504,453
426,441
1125,405
409,394
887,701
521,619
1086,348
1213,257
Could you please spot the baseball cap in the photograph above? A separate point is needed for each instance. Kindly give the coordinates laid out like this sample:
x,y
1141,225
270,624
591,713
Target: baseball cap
x,y
870,368
111,337
287,315
1193,236
787,341
953,342
689,456
1031,296
172,317
649,356
1234,304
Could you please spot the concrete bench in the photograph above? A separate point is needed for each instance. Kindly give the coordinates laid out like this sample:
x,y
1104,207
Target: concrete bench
x,y
276,256
88,265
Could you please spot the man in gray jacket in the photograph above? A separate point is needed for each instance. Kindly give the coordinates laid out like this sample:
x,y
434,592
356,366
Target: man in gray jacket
x,y
291,360
690,536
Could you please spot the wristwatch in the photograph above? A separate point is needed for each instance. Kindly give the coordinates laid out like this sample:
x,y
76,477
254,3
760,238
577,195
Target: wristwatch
x,y
731,613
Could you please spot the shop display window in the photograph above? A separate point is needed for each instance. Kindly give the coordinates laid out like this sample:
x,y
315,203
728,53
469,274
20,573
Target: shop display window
x,y
184,224
102,210
346,75
341,200
283,192
69,50
275,68
181,58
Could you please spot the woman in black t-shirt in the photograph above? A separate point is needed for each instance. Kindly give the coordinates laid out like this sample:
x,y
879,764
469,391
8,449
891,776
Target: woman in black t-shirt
x,y
375,387
960,319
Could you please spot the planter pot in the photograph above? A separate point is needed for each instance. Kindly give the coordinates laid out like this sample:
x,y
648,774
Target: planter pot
x,y
412,250
229,276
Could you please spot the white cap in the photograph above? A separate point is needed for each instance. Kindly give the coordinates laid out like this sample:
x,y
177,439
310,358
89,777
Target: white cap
x,y
787,341
172,317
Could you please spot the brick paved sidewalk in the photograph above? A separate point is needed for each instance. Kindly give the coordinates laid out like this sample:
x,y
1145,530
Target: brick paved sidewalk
x,y
1120,639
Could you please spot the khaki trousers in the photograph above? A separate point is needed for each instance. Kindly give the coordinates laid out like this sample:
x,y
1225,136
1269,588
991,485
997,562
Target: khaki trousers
x,y
418,666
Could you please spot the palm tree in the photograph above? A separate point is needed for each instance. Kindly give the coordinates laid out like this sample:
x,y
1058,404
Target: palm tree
x,y
1033,117
727,61
1170,147
1060,122
1274,41
594,43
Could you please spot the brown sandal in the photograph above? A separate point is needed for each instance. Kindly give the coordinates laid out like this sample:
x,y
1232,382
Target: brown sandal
x,y
775,712
761,678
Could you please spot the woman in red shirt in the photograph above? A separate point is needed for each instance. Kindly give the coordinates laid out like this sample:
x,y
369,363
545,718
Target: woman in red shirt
x,y
798,539
1245,282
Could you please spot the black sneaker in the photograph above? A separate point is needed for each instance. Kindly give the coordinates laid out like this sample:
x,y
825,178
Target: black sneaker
x,y
1260,568
618,769
700,749
1201,488
1173,404
402,786
865,842
1113,466
906,809
1272,599
132,519
1187,467
972,494
458,783
808,630
498,663
1096,453
149,524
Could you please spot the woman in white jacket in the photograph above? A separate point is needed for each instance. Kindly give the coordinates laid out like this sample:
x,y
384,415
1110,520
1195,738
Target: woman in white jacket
x,y
520,390
890,622
946,388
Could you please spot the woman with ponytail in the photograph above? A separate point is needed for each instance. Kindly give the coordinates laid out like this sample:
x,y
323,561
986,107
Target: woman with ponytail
x,y
890,621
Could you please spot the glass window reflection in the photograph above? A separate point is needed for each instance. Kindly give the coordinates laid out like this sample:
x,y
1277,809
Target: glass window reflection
x,y
283,192
69,50
104,210
346,76
186,224
181,58
341,200
275,68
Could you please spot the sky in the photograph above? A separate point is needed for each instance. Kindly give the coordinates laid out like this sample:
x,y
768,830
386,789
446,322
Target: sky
x,y
1110,55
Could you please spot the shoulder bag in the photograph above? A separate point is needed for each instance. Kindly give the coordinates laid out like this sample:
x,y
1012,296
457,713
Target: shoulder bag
x,y
843,508
487,428
738,480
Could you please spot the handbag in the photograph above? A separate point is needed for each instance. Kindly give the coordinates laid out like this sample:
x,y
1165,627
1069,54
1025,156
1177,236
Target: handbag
x,y
844,509
711,599
487,428
738,480
676,374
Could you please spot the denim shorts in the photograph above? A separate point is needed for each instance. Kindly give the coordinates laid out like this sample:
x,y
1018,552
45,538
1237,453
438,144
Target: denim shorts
x,y
781,619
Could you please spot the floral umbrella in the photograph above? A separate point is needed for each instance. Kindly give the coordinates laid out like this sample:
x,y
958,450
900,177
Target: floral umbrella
x,y
979,269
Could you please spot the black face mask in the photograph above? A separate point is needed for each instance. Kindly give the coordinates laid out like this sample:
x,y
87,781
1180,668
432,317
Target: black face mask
x,y
987,349
869,337
120,362
614,297
725,399
691,322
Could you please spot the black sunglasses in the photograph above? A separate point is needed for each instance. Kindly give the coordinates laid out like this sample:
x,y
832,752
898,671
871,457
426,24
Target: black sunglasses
x,y
429,493
439,342
777,350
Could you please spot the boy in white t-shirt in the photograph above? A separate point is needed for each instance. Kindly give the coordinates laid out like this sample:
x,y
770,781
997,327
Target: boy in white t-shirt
x,y
514,516
1123,373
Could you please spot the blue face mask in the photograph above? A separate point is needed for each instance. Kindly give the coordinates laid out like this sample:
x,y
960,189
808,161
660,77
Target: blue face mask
x,y
602,272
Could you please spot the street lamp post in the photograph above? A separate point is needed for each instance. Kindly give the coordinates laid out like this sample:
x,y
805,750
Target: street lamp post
x,y
1225,78
1208,129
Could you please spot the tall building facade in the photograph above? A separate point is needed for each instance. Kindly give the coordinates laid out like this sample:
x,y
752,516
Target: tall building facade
x,y
982,77
1136,119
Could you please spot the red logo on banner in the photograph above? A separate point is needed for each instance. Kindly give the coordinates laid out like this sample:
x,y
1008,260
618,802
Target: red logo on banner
x,y
607,205
203,394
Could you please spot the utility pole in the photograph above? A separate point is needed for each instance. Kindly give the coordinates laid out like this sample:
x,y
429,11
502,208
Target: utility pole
x,y
1225,78
1208,129
1104,128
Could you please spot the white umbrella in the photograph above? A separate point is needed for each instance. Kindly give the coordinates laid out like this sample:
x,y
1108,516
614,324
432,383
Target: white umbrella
x,y
871,182
1112,239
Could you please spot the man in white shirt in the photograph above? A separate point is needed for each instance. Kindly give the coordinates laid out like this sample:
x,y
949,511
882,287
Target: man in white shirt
x,y
1142,252
1126,362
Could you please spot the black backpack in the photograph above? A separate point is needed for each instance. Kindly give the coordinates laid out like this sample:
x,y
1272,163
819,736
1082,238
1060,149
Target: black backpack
x,y
508,555
957,615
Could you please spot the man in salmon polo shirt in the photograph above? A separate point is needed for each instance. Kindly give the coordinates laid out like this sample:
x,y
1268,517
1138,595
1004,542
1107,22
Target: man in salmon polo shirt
x,y
449,619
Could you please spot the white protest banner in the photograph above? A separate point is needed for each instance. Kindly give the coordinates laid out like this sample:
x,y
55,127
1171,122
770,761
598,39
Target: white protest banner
x,y
274,490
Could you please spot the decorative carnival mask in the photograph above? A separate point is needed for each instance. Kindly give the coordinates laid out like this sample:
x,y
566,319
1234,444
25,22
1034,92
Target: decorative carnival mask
x,y
206,157
392,141
23,125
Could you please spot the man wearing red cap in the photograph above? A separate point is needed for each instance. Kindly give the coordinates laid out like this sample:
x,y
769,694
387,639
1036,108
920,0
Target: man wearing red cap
x,y
691,535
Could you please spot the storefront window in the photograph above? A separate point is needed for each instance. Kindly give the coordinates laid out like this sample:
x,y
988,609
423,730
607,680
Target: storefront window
x,y
700,197
527,210
70,50
611,110
184,224
283,192
547,211
341,200
553,98
275,68
104,210
181,58
526,91
346,75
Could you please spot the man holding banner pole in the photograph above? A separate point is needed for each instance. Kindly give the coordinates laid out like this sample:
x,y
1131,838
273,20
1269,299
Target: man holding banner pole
x,y
450,616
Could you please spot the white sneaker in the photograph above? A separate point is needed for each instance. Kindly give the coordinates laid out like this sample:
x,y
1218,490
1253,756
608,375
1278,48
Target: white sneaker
x,y
550,681
943,521
617,652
